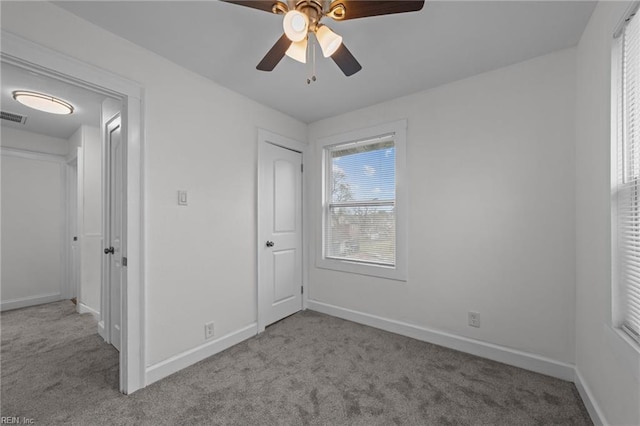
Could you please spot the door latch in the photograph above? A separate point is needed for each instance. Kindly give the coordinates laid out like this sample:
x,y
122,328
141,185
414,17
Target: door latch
x,y
270,244
109,250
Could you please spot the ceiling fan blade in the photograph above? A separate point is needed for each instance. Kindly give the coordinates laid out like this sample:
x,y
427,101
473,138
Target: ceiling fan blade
x,y
265,5
273,56
346,61
364,8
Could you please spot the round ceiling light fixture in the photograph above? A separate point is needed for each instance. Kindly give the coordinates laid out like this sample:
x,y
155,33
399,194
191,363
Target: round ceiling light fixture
x,y
43,102
295,25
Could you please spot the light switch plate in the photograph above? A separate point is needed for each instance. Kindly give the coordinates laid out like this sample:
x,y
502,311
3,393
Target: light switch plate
x,y
182,198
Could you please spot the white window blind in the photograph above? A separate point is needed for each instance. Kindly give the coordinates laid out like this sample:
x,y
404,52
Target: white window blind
x,y
628,179
360,216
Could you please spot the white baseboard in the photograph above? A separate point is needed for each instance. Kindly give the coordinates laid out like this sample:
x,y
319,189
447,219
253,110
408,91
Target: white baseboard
x,y
176,363
25,302
521,359
597,417
101,330
84,309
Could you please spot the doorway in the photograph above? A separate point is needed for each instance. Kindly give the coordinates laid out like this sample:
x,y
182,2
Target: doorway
x,y
280,229
37,59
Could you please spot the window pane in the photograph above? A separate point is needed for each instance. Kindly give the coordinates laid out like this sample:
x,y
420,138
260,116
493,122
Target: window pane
x,y
363,172
628,195
631,99
365,234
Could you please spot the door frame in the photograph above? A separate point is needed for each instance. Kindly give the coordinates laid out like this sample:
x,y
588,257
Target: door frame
x,y
33,57
268,137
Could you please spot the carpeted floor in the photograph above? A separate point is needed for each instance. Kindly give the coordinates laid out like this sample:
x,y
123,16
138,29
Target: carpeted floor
x,y
307,369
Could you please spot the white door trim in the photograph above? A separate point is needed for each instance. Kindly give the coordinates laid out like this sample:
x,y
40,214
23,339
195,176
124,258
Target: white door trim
x,y
267,137
33,57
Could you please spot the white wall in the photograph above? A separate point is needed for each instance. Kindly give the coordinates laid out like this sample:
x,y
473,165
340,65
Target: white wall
x,y
35,142
491,209
200,262
90,217
608,365
33,214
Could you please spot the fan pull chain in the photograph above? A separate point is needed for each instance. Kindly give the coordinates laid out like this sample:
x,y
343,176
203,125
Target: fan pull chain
x,y
311,51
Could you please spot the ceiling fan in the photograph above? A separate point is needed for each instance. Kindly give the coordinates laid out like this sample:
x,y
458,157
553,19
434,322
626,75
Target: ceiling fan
x,y
302,18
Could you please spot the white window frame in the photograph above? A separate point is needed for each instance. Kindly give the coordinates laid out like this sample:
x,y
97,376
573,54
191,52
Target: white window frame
x,y
616,324
398,272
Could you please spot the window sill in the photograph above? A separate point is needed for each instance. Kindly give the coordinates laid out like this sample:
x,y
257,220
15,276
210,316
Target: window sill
x,y
386,272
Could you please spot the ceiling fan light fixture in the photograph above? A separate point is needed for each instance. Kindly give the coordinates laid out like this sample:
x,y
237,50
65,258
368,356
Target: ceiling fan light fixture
x,y
42,102
296,25
329,41
298,51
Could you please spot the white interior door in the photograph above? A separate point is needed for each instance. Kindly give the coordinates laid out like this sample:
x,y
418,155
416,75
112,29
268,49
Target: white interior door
x,y
280,242
113,241
74,273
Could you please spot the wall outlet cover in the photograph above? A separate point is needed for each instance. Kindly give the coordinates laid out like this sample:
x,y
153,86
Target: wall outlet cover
x,y
474,319
208,330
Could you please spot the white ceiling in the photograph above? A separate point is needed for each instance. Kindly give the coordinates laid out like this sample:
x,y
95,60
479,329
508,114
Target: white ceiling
x,y
400,54
87,104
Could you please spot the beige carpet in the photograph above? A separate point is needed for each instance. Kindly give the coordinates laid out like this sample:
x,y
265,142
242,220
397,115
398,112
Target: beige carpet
x,y
307,369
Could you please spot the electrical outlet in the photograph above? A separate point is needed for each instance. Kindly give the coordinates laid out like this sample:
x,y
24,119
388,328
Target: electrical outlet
x,y
474,319
208,330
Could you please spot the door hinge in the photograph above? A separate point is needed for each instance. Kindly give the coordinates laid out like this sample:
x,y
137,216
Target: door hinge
x,y
301,168
301,290
124,261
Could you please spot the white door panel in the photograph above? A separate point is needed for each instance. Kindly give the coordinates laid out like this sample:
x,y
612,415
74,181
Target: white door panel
x,y
284,208
74,275
280,280
285,285
115,199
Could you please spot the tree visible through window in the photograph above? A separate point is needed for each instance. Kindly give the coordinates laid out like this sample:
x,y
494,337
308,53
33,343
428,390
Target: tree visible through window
x,y
360,221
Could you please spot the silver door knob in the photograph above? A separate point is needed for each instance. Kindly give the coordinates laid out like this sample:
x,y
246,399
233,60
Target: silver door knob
x,y
270,244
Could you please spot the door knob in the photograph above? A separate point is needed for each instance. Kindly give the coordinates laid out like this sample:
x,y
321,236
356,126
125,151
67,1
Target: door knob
x,y
108,250
270,243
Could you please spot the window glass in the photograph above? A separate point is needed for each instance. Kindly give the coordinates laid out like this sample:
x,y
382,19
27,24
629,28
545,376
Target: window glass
x,y
360,219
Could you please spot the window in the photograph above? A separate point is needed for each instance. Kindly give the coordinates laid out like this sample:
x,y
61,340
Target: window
x,y
627,181
360,219
363,221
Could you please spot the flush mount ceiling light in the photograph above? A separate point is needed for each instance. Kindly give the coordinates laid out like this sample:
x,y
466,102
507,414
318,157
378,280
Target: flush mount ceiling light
x,y
43,102
302,20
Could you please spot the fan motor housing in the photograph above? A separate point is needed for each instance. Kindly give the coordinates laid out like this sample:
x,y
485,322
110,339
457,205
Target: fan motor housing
x,y
311,8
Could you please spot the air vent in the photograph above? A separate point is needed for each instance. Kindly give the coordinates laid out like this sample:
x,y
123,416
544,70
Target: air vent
x,y
10,116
